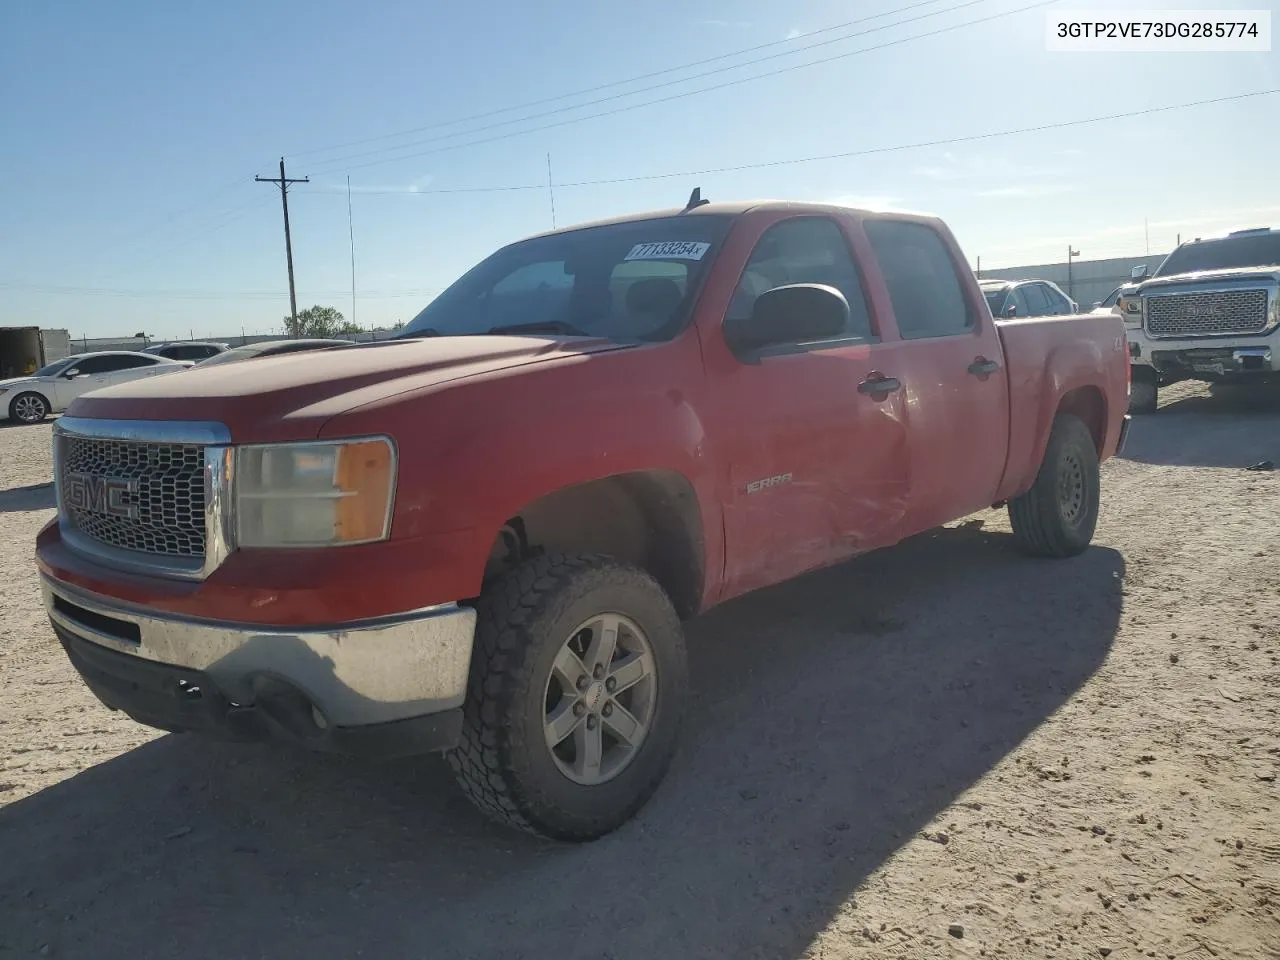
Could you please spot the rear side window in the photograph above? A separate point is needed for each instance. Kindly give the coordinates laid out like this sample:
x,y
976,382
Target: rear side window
x,y
928,298
803,250
192,352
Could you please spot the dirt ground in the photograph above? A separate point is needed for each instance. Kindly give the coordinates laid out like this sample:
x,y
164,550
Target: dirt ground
x,y
941,750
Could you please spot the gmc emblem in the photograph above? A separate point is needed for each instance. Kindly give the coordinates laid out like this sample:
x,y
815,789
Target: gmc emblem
x,y
102,495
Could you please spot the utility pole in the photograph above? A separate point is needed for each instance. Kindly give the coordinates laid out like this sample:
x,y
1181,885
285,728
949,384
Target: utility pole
x,y
283,183
551,190
351,235
1071,287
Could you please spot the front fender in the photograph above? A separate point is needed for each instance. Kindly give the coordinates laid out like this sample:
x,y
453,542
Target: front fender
x,y
473,454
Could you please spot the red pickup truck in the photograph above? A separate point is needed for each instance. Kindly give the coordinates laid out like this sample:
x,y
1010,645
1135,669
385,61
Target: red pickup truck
x,y
482,537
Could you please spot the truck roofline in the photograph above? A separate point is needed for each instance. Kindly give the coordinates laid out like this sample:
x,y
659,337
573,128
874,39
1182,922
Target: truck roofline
x,y
736,208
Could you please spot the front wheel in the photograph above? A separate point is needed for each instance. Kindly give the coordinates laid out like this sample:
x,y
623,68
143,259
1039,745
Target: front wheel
x,y
578,683
1057,516
28,408
1144,391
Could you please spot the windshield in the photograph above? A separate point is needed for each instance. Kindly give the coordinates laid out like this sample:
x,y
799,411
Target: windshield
x,y
1257,250
995,298
1112,297
53,369
624,281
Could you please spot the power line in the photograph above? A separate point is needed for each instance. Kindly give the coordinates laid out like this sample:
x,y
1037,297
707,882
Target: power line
x,y
340,161
691,93
229,217
870,151
619,83
244,295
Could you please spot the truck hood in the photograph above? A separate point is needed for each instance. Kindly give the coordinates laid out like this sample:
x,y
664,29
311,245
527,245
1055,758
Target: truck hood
x,y
1237,274
291,396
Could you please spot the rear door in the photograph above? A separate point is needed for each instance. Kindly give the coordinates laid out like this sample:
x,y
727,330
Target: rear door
x,y
816,466
130,367
957,399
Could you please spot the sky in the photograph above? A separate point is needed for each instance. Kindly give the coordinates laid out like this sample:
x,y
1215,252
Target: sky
x,y
131,132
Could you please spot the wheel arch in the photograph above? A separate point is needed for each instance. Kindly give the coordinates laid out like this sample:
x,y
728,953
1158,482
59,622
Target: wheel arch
x,y
649,518
23,391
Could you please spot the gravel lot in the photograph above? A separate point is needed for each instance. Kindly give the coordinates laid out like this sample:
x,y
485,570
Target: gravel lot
x,y
941,750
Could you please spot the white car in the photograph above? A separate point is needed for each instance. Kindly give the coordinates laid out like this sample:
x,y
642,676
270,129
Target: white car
x,y
52,388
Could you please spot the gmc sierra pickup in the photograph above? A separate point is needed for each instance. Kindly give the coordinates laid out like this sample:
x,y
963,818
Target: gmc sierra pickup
x,y
1211,311
482,538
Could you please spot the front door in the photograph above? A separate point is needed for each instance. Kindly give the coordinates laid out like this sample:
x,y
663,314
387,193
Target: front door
x,y
815,467
958,395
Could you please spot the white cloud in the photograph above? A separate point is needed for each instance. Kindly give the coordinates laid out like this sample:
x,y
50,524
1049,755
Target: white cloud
x,y
979,166
882,202
793,33
1025,191
413,186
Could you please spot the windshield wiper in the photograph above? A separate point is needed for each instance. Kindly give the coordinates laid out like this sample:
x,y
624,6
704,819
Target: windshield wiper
x,y
542,326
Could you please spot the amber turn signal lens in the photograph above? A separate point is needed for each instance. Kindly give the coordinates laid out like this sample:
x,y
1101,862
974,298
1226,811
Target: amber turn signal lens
x,y
363,477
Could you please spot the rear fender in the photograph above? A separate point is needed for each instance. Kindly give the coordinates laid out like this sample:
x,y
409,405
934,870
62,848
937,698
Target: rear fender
x,y
1074,380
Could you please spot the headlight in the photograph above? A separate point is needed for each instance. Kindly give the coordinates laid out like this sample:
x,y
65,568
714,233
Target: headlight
x,y
1131,310
314,494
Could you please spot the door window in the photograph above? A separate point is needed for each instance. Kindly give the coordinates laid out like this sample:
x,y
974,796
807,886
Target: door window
x,y
1059,304
803,250
1036,300
924,287
95,365
1020,300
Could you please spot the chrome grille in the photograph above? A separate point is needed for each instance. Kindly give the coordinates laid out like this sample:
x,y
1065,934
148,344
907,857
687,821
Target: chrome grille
x,y
1206,314
145,497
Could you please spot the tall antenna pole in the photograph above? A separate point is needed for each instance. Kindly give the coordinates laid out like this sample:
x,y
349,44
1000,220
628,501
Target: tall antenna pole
x,y
283,183
551,191
351,233
1146,230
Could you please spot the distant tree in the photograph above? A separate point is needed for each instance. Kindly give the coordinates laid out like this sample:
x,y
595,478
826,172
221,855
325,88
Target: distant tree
x,y
346,328
323,322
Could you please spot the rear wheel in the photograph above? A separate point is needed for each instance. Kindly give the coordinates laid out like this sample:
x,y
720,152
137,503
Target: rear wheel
x,y
578,682
28,408
1144,391
1057,516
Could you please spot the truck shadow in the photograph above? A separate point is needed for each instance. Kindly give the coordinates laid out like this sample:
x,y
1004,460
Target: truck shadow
x,y
831,720
1233,426
41,496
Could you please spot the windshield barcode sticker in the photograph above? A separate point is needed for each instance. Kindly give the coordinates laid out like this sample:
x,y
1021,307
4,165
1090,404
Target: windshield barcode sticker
x,y
672,250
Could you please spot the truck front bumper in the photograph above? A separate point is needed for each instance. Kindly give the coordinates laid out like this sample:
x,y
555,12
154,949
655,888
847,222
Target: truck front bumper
x,y
392,686
1208,358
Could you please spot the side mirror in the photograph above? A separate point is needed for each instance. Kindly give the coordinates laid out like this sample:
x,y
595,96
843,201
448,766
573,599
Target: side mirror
x,y
1097,304
1075,307
1138,272
789,314
1011,310
71,374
